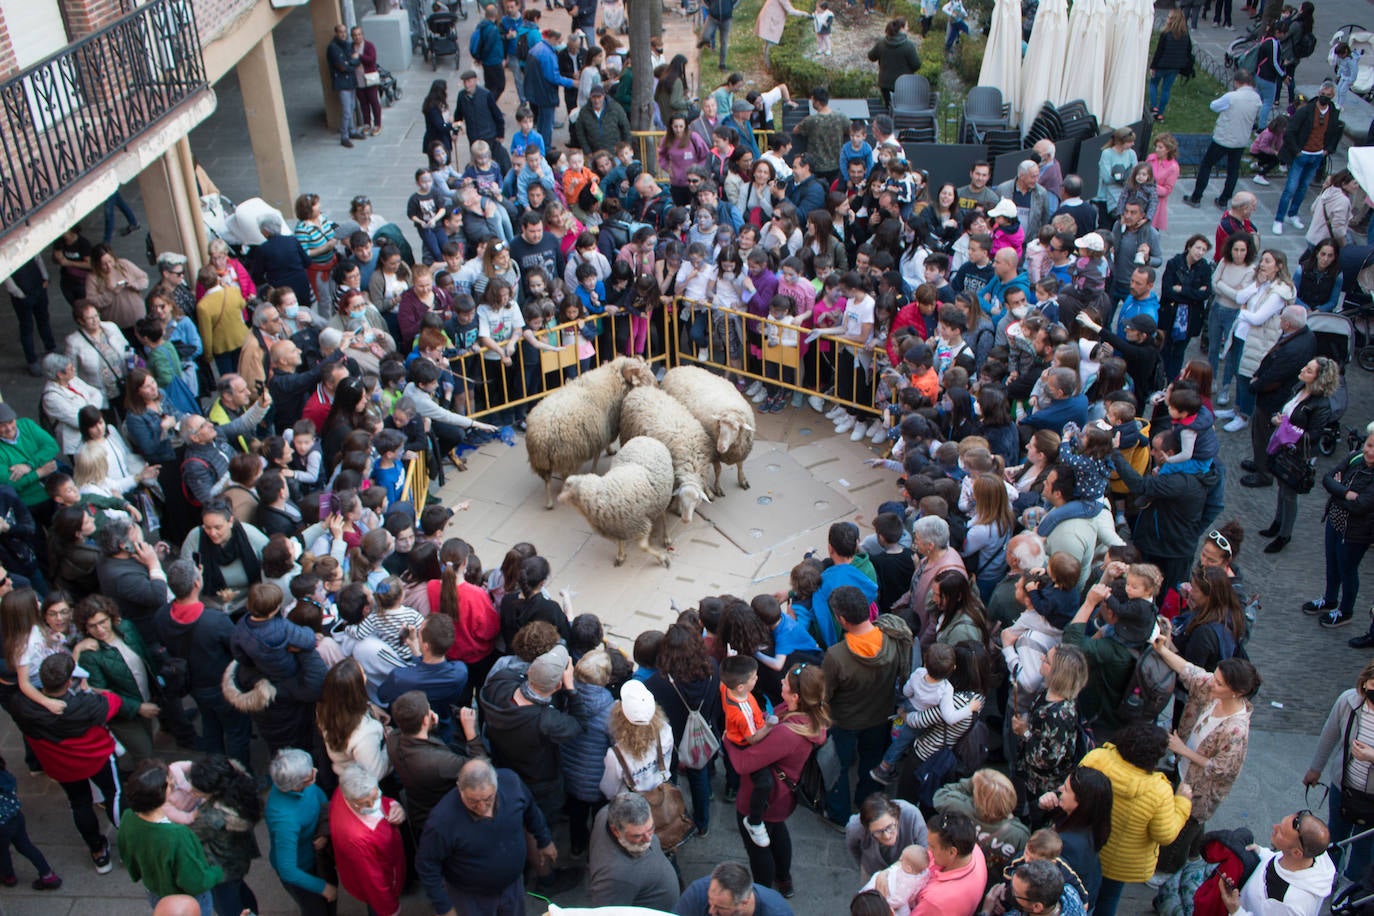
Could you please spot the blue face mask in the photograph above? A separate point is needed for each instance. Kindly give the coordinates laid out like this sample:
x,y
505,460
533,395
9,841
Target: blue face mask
x,y
292,311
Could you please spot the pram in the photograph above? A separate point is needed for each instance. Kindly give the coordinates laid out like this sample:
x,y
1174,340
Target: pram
x,y
441,38
1362,48
1358,898
390,89
1243,52
1336,341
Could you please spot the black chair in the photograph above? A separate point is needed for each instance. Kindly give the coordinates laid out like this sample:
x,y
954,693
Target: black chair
x,y
1000,141
921,130
984,108
1046,126
1076,121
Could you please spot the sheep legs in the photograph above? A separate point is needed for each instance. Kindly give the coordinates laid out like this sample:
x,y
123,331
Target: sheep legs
x,y
644,545
717,490
739,470
548,491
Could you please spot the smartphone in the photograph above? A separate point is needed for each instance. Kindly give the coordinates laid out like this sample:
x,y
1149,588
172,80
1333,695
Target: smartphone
x,y
195,558
259,386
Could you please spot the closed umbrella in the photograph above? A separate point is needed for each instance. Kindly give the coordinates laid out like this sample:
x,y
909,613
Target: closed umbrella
x,y
1042,76
1128,59
1002,57
1085,63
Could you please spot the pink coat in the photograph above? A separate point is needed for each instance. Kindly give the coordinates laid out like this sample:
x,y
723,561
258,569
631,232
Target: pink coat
x,y
1166,176
772,19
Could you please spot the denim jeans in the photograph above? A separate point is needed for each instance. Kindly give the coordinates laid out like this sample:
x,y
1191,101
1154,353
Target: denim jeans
x,y
957,27
346,117
1108,897
1160,86
543,122
866,746
1267,91
116,200
699,781
1219,321
1300,174
1245,398
1342,577
709,32
12,833
434,239
233,897
1361,853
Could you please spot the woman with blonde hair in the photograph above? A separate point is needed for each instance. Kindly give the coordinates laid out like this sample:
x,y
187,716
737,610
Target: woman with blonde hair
x,y
992,524
989,798
1305,414
1048,732
640,755
1254,334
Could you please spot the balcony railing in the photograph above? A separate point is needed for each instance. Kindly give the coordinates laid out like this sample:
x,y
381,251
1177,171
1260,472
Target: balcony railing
x,y
65,116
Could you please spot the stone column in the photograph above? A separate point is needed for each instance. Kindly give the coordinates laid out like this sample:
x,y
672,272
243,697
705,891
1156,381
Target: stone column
x,y
268,130
324,15
171,213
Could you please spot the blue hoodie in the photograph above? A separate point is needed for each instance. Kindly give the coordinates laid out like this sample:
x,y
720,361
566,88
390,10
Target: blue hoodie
x,y
1130,307
994,291
818,619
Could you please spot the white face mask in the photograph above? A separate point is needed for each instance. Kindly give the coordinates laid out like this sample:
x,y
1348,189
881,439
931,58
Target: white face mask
x,y
372,810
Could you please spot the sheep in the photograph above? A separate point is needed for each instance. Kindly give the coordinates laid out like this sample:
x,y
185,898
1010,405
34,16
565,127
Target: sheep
x,y
629,500
724,413
574,424
650,412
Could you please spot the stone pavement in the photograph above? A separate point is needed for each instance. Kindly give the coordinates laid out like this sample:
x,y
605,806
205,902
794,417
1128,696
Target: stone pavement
x,y
1304,666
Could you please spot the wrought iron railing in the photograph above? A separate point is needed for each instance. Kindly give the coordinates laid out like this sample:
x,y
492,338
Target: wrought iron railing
x,y
66,115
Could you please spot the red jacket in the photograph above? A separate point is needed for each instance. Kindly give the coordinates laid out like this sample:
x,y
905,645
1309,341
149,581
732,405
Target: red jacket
x,y
477,626
910,316
76,744
371,861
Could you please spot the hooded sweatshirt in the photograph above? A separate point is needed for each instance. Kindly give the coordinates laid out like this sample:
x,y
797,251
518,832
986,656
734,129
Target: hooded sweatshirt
x,y
860,681
201,636
521,736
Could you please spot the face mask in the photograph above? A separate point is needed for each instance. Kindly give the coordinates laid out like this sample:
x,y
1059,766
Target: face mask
x,y
292,311
372,810
356,322
1369,695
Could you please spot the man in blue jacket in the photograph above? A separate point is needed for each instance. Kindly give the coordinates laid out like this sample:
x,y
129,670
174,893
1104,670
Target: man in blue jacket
x,y
1064,405
1006,275
488,49
479,115
842,545
542,80
803,190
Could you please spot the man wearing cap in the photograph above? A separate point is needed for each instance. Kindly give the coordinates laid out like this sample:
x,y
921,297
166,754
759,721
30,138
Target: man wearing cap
x,y
29,453
598,125
525,727
476,112
1136,345
471,858
542,80
737,118
1168,527
1134,243
625,859
1031,199
1110,659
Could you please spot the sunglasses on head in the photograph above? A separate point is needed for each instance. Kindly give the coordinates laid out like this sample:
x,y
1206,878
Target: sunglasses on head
x,y
1216,537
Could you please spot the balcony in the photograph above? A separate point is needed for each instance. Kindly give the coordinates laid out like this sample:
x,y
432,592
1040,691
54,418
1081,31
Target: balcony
x,y
66,116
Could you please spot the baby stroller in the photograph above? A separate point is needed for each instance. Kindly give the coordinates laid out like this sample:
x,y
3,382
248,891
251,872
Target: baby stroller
x,y
1361,45
1336,341
390,89
1357,269
441,38
1243,52
1358,898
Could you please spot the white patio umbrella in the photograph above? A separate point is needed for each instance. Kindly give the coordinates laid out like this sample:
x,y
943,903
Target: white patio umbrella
x,y
1128,59
1042,73
1085,63
1002,57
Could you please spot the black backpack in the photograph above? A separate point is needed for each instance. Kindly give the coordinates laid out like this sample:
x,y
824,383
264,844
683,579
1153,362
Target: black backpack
x,y
820,774
1150,688
522,46
1305,46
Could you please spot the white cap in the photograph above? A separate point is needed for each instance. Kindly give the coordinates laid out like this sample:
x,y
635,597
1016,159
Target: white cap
x,y
1005,207
1092,241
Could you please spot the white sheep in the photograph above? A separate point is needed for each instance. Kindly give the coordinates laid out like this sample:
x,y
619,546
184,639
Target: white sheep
x,y
650,412
628,501
574,424
724,413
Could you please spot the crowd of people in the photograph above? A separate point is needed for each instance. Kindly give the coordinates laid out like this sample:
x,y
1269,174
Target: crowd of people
x,y
1030,666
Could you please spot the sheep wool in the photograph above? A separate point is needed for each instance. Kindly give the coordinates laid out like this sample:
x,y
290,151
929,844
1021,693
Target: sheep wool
x,y
574,424
650,412
724,413
628,501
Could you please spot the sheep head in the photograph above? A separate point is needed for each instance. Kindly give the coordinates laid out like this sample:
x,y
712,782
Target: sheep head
x,y
572,489
689,496
728,429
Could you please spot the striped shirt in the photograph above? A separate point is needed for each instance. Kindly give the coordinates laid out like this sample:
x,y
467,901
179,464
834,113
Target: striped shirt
x,y
312,236
936,734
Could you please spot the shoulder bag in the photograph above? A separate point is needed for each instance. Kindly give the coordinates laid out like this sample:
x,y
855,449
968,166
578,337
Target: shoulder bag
x,y
671,823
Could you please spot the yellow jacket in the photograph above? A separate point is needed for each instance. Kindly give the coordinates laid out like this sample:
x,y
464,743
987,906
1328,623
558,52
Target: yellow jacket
x,y
219,315
1146,814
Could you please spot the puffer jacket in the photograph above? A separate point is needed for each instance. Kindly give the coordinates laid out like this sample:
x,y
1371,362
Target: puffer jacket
x,y
584,756
527,739
1146,814
228,839
1358,476
1262,336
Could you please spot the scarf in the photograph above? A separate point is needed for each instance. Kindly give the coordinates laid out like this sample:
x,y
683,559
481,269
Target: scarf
x,y
215,557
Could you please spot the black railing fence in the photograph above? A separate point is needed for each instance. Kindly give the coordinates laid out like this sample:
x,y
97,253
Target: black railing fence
x,y
66,115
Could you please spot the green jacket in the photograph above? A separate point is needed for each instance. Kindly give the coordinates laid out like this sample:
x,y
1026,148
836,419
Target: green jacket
x,y
166,857
1110,665
34,447
108,670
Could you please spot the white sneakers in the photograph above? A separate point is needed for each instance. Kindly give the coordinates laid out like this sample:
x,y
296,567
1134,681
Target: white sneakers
x,y
1236,425
817,403
1260,180
835,413
845,423
758,833
1226,414
1223,398
1277,228
878,433
860,432
1296,222
753,389
759,396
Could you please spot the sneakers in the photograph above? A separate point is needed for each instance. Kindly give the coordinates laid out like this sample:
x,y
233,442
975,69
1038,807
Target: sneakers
x,y
878,433
1277,228
817,403
1313,608
1223,399
101,858
860,432
1260,180
1237,424
1333,619
797,399
753,389
834,413
844,424
758,834
883,773
1296,222
757,396
49,882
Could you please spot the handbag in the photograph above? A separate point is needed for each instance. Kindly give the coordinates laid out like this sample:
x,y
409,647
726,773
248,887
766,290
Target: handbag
x,y
370,79
671,823
1356,807
1292,467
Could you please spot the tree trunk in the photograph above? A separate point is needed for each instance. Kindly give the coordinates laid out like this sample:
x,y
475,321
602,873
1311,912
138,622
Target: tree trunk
x,y
641,28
